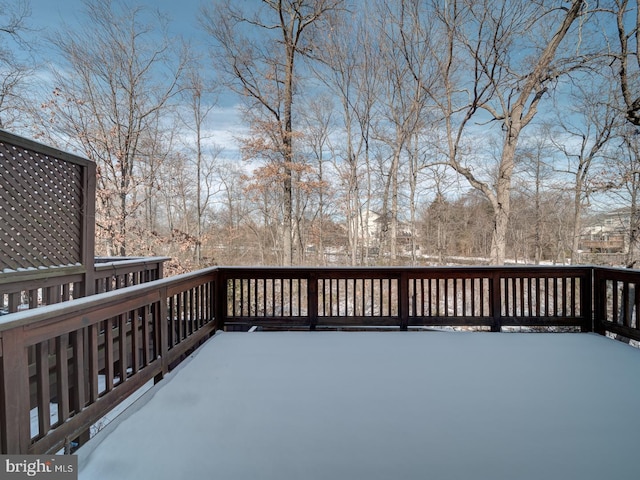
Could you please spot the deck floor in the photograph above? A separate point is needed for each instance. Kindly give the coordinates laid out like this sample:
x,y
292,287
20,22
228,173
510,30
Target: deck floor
x,y
384,405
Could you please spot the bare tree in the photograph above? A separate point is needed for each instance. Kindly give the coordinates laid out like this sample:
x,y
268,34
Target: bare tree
x,y
121,73
261,48
350,71
508,50
14,73
200,100
536,179
457,226
581,132
437,217
403,110
628,59
318,127
234,224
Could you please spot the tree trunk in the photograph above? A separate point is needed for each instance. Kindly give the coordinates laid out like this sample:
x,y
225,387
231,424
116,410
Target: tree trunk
x,y
502,202
288,161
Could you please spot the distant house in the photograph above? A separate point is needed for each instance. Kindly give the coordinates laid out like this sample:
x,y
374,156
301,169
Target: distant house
x,y
373,224
607,232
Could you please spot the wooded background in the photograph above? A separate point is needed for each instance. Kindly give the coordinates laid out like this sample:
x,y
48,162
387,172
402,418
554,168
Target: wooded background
x,y
409,132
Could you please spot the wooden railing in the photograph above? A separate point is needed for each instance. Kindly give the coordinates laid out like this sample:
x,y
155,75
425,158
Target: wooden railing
x,y
112,273
28,289
35,288
77,360
90,354
617,302
485,297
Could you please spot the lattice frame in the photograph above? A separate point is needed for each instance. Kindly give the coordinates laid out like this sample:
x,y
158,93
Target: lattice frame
x,y
42,206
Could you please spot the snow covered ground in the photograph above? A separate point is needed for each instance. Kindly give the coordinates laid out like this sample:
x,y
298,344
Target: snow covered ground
x,y
383,405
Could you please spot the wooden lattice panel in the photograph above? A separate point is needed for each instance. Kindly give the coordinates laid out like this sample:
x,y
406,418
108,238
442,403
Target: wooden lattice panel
x,y
40,209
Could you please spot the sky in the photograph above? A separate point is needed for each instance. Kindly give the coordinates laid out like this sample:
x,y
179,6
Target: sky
x,y
182,13
50,15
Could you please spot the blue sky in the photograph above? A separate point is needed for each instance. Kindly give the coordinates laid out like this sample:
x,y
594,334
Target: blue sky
x,y
51,15
182,13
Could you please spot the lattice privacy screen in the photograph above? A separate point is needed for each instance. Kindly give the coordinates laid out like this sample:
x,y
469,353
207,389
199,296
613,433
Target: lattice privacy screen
x,y
41,203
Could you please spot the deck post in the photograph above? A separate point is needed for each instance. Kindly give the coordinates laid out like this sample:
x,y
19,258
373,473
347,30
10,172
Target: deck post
x,y
312,300
80,382
599,289
161,326
14,416
495,298
403,300
88,227
587,306
221,299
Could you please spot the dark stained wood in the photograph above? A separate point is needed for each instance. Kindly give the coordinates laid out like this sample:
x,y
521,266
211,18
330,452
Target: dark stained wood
x,y
403,307
76,379
40,182
43,388
162,338
94,362
123,356
79,377
145,347
450,293
108,354
62,378
616,303
135,341
15,389
88,235
57,285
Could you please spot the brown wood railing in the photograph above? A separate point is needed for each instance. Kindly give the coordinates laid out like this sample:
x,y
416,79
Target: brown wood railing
x,y
78,359
617,302
32,289
90,354
485,297
112,273
27,289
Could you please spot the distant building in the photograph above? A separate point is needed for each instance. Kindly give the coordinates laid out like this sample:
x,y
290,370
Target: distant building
x,y
607,232
373,224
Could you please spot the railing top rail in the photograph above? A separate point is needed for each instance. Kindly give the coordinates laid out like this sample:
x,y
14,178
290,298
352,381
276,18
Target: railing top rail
x,y
398,269
24,275
617,270
33,316
107,263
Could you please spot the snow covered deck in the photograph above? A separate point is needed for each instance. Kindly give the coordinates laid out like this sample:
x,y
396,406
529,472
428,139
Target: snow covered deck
x,y
382,405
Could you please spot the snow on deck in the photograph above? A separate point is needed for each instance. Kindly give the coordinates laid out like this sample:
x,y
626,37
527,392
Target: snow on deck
x,y
384,405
